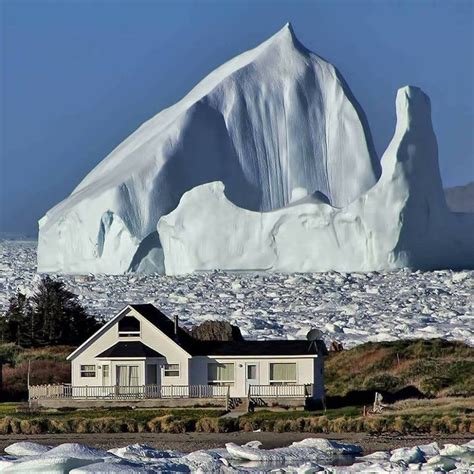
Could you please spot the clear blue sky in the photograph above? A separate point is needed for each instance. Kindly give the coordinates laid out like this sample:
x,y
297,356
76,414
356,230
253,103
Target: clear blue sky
x,y
79,76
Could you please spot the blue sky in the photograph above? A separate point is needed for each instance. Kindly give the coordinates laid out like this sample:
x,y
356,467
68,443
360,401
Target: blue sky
x,y
78,76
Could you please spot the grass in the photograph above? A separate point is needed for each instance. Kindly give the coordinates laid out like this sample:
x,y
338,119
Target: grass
x,y
409,416
16,418
448,415
434,367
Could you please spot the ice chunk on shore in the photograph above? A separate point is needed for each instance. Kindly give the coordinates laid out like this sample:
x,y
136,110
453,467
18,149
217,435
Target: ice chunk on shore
x,y
109,467
79,451
310,449
26,448
142,452
429,450
47,464
408,455
327,446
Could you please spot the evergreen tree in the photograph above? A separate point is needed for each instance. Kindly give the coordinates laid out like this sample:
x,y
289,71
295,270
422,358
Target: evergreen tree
x,y
52,316
62,319
12,324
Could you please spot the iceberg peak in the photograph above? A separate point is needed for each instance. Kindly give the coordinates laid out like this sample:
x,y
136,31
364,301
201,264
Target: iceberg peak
x,y
285,36
274,124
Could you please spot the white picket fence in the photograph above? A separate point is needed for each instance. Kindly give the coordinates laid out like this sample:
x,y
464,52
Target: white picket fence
x,y
115,392
283,391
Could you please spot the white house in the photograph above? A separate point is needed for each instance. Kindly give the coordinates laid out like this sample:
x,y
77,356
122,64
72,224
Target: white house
x,y
142,354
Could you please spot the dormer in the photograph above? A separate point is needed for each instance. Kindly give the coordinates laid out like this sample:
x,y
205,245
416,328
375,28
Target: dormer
x,y
129,326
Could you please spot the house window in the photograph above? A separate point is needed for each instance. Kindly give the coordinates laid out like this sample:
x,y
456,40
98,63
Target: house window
x,y
87,370
105,375
129,326
220,374
127,375
283,373
171,370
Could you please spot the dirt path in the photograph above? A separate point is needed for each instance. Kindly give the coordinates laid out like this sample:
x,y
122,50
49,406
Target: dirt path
x,y
193,441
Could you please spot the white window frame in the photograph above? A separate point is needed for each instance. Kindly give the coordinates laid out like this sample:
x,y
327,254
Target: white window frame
x,y
83,370
282,382
167,368
226,383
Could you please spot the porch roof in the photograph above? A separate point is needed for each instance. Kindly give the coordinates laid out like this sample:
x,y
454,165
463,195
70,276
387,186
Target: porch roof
x,y
130,349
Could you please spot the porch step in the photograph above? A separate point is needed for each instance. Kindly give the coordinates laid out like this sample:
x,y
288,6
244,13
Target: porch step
x,y
237,404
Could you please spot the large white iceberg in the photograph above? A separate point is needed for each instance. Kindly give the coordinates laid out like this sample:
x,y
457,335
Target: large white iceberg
x,y
274,124
402,221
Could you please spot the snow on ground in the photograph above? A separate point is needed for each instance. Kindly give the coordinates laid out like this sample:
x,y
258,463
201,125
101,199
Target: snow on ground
x,y
348,307
310,455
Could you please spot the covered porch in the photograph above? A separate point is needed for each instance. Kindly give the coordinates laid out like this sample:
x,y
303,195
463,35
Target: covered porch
x,y
170,396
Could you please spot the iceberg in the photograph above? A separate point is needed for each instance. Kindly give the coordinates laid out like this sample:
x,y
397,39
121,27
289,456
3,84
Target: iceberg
x,y
276,124
402,221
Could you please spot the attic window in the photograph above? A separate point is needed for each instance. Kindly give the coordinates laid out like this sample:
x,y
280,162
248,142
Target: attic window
x,y
129,326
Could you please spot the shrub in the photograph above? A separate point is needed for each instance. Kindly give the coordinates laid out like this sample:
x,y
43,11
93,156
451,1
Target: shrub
x,y
154,425
207,425
217,425
34,426
383,383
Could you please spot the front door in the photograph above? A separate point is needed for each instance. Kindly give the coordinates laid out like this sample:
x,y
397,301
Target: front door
x,y
251,375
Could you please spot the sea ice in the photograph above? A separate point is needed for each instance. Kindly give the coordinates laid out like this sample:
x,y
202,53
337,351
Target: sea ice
x,y
408,455
327,446
26,448
142,452
311,449
298,458
114,467
405,303
79,451
47,464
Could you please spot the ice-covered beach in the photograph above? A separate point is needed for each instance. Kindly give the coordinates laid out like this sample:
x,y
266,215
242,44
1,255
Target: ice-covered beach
x,y
348,307
306,456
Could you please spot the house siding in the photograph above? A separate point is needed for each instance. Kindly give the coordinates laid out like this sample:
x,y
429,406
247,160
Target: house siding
x,y
304,370
151,336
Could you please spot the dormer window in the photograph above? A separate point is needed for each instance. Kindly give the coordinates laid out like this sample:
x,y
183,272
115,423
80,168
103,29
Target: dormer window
x,y
129,326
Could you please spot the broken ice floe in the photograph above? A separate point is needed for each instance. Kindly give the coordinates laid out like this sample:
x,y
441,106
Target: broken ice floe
x,y
349,307
307,456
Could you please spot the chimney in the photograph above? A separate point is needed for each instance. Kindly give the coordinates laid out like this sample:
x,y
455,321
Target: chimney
x,y
176,325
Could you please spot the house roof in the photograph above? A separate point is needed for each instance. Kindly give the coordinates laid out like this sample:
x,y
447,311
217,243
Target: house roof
x,y
196,347
166,326
227,348
262,348
130,349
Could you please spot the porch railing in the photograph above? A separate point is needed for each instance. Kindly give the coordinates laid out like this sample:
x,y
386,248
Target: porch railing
x,y
115,392
275,391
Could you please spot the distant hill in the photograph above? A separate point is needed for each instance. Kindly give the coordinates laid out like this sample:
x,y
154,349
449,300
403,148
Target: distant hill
x,y
432,367
461,198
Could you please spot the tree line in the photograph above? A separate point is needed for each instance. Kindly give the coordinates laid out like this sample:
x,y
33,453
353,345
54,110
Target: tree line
x,y
51,316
